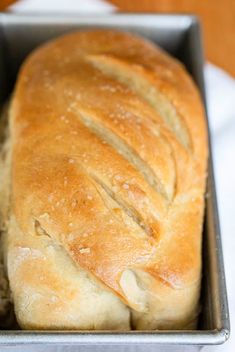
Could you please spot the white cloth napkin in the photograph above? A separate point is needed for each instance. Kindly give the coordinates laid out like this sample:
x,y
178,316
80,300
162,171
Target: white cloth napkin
x,y
80,6
220,90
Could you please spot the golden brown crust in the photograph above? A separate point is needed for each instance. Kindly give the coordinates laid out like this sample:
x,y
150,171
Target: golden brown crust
x,y
109,152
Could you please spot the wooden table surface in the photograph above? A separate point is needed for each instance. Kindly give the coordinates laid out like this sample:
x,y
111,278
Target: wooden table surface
x,y
217,17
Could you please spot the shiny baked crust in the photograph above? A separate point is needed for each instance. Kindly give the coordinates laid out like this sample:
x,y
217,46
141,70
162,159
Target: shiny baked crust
x,y
108,150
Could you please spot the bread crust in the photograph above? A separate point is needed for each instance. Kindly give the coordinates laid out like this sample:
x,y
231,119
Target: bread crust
x,y
108,170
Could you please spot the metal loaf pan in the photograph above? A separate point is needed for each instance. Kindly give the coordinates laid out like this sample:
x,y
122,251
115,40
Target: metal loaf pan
x,y
179,35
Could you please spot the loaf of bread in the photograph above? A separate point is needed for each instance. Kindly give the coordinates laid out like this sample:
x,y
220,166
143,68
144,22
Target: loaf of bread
x,y
106,170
